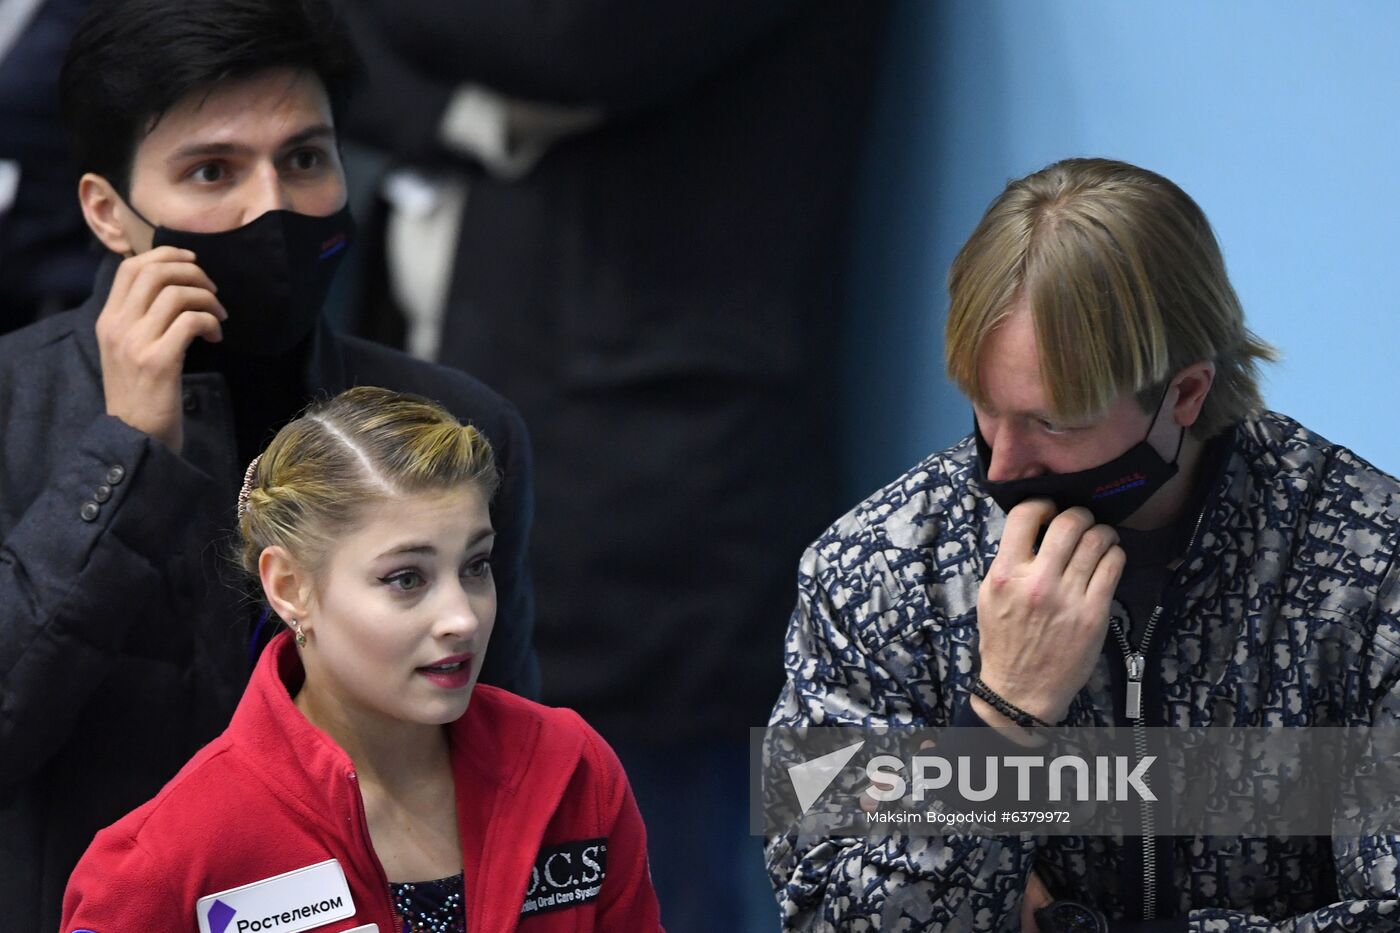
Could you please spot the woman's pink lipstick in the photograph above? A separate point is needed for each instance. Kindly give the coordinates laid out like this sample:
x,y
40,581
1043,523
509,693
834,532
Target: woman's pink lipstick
x,y
450,673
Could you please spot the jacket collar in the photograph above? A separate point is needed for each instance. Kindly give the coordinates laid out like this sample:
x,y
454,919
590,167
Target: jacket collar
x,y
512,767
87,312
1219,509
325,369
317,778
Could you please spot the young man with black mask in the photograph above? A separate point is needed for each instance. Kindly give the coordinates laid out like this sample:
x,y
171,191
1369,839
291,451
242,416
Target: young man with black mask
x,y
1125,538
206,134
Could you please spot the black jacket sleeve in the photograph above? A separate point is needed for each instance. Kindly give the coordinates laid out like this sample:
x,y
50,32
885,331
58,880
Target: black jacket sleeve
x,y
85,562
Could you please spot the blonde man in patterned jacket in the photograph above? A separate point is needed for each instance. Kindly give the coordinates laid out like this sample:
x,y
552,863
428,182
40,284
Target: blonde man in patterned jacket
x,y
1203,563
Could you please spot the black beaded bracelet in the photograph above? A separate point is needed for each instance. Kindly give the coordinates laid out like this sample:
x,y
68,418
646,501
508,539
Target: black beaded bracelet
x,y
1004,706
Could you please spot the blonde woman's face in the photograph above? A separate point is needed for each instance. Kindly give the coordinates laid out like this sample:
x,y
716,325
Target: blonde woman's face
x,y
403,611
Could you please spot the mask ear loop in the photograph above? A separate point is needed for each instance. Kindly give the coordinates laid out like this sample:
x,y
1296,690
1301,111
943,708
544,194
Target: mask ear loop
x,y
132,207
1157,412
1181,438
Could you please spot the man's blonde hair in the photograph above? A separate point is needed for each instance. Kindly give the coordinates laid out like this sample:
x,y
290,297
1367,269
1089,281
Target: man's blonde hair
x,y
365,445
1126,286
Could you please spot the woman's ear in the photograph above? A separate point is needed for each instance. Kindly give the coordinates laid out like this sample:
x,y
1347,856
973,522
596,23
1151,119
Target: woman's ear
x,y
286,584
107,215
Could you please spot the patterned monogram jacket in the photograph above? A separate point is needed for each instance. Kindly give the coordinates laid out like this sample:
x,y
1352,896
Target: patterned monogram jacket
x,y
1285,611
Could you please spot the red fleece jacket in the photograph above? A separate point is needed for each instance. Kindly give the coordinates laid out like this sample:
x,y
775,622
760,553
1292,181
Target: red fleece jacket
x,y
551,836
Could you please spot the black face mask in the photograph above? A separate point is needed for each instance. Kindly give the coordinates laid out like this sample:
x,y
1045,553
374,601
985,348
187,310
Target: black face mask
x,y
1112,491
273,274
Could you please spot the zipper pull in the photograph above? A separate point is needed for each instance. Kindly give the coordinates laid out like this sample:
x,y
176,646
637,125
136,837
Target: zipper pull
x,y
1137,664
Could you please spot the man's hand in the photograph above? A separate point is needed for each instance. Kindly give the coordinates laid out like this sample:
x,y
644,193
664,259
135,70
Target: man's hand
x,y
159,303
1036,897
1042,615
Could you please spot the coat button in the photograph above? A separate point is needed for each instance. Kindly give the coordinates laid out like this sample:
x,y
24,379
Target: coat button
x,y
191,402
90,511
115,475
102,493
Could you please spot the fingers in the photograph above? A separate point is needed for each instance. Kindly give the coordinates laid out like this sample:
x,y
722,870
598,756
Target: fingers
x,y
156,290
1072,547
140,280
160,301
131,267
185,329
132,271
1104,582
171,302
1023,524
1087,554
1062,538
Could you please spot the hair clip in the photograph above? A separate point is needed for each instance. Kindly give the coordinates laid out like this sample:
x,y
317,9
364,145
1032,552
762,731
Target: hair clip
x,y
247,486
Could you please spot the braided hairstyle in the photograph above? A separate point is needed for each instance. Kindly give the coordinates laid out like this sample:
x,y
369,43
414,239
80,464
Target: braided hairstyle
x,y
364,445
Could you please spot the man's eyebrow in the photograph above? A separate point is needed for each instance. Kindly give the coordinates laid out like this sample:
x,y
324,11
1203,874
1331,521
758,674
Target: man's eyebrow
x,y
209,150
319,131
1050,416
203,150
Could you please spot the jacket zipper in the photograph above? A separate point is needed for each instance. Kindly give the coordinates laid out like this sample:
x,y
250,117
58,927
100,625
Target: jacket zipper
x,y
369,847
1136,662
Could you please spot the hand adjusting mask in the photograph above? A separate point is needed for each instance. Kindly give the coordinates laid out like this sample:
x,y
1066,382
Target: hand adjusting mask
x,y
273,274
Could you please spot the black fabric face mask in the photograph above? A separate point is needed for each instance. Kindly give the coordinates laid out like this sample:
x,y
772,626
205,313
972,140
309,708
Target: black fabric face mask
x,y
273,274
1111,491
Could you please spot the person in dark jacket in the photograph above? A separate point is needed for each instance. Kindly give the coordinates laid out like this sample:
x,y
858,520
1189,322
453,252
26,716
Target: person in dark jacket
x,y
207,133
650,205
1203,563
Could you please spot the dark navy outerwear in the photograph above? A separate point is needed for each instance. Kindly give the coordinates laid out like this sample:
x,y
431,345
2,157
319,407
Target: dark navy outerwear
x,y
123,623
1285,611
662,297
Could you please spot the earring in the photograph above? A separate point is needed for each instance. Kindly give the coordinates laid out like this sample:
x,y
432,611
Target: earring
x,y
298,635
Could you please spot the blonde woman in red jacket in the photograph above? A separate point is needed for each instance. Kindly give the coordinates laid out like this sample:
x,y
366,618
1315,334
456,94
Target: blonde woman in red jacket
x,y
366,783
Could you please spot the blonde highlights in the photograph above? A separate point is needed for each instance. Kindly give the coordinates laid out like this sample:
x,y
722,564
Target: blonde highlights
x,y
364,445
1126,286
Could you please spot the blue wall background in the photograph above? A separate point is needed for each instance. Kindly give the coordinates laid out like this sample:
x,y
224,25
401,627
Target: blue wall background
x,y
1279,118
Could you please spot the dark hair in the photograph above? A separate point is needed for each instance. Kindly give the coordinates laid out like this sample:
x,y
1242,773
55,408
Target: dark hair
x,y
132,60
